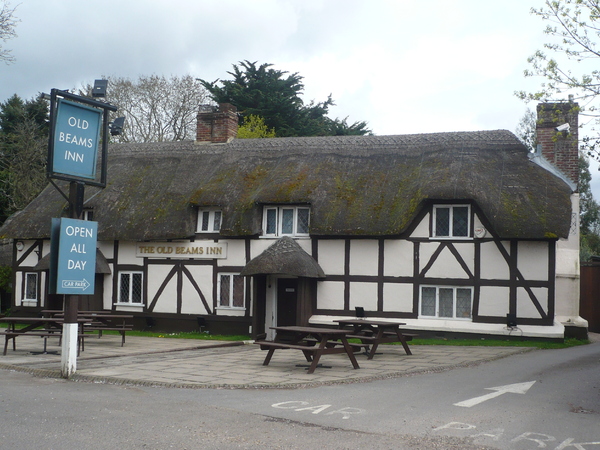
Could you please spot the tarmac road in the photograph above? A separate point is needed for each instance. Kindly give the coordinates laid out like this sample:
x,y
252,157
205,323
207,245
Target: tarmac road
x,y
560,410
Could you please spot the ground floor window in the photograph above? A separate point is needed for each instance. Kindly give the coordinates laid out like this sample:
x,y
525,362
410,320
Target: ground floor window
x,y
31,286
446,302
232,289
130,287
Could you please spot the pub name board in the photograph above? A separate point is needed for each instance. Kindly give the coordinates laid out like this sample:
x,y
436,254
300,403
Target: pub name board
x,y
195,250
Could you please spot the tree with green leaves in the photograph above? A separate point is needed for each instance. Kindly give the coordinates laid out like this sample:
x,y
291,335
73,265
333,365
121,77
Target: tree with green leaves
x,y
23,152
275,95
569,59
254,127
8,23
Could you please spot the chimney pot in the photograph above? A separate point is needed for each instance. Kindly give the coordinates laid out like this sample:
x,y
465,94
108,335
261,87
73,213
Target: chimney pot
x,y
560,148
217,127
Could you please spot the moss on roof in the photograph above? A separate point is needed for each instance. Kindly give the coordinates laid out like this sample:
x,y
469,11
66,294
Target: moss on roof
x,y
356,185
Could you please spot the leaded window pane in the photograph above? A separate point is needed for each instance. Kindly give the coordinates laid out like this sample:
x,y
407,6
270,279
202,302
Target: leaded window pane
x,y
460,221
442,222
205,220
287,221
31,286
303,215
136,288
225,290
463,303
124,291
446,302
217,221
238,291
428,301
271,221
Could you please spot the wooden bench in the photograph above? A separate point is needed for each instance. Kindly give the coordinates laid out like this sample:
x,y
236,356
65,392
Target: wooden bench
x,y
328,342
44,334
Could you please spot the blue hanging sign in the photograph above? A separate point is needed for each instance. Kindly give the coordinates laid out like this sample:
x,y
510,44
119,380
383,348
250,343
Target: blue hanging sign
x,y
76,266
76,139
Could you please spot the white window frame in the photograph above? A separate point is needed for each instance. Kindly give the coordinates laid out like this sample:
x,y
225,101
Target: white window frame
x,y
35,275
279,211
437,303
451,221
129,301
230,306
87,214
211,220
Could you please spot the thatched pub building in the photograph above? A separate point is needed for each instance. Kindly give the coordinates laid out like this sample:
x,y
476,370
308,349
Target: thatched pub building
x,y
446,232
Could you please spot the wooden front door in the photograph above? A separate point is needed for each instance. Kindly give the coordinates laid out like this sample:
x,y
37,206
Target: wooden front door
x,y
287,301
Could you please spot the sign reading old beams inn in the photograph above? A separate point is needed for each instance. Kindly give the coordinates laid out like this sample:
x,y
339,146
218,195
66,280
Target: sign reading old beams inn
x,y
194,250
76,139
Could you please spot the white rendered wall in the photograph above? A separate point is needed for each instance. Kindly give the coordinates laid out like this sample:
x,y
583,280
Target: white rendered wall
x,y
364,257
398,258
398,297
331,256
494,301
236,253
493,264
363,294
568,273
330,295
191,303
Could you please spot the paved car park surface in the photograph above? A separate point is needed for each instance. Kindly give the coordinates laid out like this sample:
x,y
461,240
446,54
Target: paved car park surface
x,y
189,363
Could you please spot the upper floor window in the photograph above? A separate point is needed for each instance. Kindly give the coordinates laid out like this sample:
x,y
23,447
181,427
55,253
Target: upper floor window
x,y
87,214
209,221
286,221
451,221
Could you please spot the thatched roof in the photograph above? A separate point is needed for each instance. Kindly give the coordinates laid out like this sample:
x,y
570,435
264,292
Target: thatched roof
x,y
356,185
284,257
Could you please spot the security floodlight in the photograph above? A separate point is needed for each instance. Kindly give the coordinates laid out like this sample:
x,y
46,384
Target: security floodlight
x,y
116,126
511,320
99,89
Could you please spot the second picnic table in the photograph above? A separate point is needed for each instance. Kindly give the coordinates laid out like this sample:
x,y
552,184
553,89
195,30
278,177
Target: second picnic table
x,y
312,341
375,332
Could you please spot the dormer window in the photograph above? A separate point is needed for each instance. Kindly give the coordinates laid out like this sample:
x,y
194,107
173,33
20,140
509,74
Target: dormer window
x,y
286,221
451,221
87,214
209,220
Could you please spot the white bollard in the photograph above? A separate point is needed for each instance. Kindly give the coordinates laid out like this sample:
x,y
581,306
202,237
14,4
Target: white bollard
x,y
68,356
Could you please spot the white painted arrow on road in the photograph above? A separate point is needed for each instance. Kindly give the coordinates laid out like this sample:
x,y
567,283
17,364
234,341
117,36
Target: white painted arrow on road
x,y
517,388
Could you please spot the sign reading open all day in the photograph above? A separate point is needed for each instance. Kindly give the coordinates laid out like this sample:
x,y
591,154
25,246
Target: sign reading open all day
x,y
76,139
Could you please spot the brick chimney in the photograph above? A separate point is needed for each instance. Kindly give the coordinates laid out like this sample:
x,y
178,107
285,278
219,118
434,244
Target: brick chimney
x,y
217,126
557,137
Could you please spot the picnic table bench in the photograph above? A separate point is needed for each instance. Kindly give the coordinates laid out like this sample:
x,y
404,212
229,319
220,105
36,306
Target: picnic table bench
x,y
375,332
44,327
312,341
100,321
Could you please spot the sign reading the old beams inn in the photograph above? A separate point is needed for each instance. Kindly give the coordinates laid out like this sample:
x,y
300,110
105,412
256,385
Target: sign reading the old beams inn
x,y
195,250
76,139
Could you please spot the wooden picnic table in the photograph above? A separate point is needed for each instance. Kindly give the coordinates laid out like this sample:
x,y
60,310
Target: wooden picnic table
x,y
375,332
44,327
100,321
312,341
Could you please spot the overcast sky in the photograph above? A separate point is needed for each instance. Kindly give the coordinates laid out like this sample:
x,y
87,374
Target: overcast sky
x,y
404,66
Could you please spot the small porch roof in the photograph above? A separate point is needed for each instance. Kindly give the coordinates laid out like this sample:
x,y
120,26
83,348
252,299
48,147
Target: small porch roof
x,y
284,257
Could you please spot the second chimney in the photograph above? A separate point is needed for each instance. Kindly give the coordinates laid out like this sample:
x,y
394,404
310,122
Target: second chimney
x,y
557,135
217,127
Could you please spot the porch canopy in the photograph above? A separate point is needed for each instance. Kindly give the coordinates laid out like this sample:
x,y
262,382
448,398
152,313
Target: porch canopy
x,y
101,263
284,257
